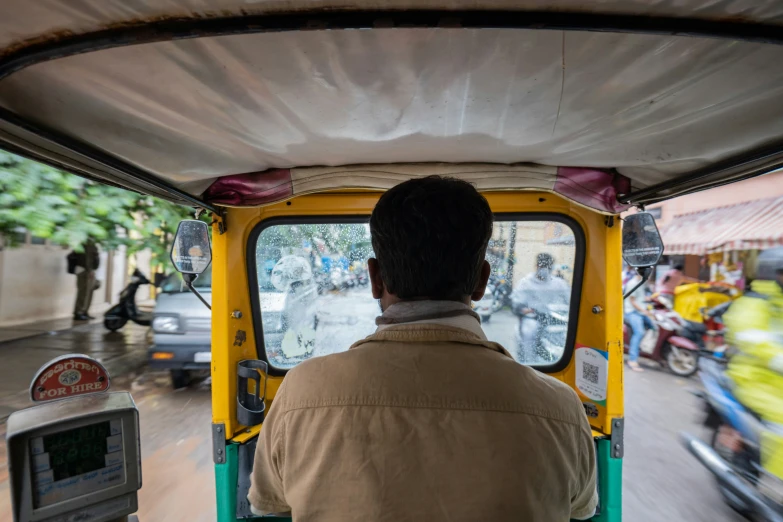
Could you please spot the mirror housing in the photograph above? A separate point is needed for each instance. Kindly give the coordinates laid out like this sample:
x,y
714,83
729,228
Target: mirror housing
x,y
191,252
642,243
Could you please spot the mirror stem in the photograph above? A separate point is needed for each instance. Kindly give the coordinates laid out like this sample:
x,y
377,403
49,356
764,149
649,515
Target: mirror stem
x,y
189,278
644,272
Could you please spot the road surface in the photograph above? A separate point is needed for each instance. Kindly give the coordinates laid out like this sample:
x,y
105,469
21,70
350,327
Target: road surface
x,y
661,480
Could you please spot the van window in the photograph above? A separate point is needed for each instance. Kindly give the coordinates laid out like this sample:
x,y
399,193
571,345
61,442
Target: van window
x,y
174,283
314,295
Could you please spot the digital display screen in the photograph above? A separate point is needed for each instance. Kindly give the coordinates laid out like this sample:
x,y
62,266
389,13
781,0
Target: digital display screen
x,y
77,461
77,451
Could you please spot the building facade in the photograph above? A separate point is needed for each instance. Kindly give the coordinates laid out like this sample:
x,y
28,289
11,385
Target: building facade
x,y
36,286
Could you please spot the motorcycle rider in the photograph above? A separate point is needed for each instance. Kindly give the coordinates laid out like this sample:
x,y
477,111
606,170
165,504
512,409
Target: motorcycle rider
x,y
755,326
293,276
638,319
531,300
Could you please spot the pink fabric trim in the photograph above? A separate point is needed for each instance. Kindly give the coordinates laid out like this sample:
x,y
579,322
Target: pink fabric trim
x,y
254,188
593,188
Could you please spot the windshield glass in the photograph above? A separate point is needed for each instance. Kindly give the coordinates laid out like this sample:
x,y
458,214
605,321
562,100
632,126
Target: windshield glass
x,y
174,283
315,298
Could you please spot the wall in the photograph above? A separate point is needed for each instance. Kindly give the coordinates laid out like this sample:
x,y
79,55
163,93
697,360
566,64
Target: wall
x,y
762,187
533,238
35,284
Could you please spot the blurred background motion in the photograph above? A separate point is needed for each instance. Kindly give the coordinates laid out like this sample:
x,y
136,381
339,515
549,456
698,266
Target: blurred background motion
x,y
72,251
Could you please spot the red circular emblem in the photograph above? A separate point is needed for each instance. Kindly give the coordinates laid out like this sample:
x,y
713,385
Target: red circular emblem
x,y
68,376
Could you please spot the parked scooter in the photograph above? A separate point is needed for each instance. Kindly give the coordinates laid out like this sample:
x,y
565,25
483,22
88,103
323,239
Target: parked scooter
x,y
119,314
362,277
733,454
679,354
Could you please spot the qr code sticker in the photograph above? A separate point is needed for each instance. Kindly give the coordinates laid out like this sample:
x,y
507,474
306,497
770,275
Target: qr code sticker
x,y
590,372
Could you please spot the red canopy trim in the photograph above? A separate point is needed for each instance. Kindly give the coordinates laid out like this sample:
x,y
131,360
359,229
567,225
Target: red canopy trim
x,y
593,188
251,189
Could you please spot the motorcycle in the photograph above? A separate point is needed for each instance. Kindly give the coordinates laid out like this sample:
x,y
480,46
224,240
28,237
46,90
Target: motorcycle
x,y
733,453
552,327
501,292
665,346
362,277
119,314
709,335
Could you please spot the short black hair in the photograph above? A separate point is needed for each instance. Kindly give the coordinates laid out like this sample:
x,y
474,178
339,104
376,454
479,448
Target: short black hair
x,y
678,266
430,238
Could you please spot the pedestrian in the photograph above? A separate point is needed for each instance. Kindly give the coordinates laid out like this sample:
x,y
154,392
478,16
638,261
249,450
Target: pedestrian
x,y
628,274
637,318
83,265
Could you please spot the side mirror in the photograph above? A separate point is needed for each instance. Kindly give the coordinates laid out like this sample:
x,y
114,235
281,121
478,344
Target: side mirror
x,y
191,252
642,244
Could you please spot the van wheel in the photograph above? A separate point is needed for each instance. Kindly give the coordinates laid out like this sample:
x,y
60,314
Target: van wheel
x,y
682,362
180,379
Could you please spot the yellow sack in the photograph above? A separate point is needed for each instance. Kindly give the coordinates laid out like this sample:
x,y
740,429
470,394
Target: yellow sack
x,y
691,298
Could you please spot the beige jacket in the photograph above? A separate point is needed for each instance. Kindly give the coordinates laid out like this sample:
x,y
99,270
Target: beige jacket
x,y
424,422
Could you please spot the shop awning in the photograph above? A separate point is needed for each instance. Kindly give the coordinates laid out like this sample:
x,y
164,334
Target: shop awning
x,y
745,226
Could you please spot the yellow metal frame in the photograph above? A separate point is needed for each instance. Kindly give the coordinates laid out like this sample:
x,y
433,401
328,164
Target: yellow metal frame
x,y
233,337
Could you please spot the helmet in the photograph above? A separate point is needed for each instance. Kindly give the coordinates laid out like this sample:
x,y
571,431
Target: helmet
x,y
289,270
769,263
545,260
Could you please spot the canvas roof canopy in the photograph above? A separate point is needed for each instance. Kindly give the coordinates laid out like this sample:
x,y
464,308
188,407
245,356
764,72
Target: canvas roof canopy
x,y
751,225
247,102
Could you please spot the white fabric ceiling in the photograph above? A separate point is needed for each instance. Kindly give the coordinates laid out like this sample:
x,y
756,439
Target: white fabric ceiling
x,y
22,20
193,110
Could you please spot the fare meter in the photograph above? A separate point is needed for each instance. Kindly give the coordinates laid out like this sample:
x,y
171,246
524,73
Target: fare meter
x,y
76,456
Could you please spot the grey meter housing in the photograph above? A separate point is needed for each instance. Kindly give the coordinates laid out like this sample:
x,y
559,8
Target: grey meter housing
x,y
75,459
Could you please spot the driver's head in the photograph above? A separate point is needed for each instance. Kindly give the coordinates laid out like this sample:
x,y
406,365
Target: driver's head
x,y
430,237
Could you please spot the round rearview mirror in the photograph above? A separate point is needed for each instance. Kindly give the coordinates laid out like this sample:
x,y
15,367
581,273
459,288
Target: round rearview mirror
x,y
642,244
191,252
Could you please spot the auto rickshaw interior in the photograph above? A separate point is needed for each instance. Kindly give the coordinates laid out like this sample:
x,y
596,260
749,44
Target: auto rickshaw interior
x,y
280,288
286,124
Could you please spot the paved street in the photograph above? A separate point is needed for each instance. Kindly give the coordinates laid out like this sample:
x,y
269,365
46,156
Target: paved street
x,y
121,352
662,481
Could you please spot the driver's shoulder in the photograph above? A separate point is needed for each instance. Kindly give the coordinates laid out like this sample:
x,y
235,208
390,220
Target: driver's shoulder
x,y
547,393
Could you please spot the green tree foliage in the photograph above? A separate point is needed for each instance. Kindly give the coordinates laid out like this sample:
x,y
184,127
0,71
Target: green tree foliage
x,y
69,210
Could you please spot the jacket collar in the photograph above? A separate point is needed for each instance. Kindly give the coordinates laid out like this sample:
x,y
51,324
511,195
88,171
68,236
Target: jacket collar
x,y
429,333
447,313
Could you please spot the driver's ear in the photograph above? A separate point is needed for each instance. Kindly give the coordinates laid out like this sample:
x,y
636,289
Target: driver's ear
x,y
376,283
481,285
